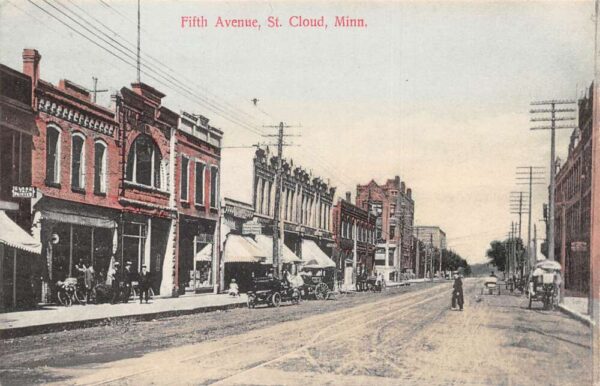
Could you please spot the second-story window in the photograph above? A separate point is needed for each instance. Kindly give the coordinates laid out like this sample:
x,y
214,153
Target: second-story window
x,y
144,162
214,186
77,162
53,155
99,167
199,191
185,166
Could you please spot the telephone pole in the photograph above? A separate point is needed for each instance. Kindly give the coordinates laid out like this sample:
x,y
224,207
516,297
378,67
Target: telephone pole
x,y
139,64
277,203
530,175
95,90
553,118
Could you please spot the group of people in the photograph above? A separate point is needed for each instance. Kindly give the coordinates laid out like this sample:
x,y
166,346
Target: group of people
x,y
120,281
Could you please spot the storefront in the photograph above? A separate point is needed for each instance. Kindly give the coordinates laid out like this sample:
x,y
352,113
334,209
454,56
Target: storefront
x,y
72,232
19,253
195,257
243,259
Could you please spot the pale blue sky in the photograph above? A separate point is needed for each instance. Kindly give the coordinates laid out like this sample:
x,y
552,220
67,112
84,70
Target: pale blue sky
x,y
436,92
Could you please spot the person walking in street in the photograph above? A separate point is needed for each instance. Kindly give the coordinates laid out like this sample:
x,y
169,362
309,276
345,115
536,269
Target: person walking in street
x,y
116,282
457,292
144,284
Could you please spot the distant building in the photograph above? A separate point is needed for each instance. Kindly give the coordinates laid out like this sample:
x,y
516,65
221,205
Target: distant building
x,y
393,207
432,236
573,203
352,224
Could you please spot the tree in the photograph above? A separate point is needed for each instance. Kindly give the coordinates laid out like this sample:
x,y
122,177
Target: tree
x,y
497,254
452,261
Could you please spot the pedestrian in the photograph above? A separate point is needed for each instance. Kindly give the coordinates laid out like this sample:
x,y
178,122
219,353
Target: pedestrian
x,y
457,292
234,290
116,282
88,282
129,276
144,284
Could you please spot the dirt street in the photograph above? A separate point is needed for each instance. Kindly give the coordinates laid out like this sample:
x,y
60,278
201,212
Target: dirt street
x,y
406,336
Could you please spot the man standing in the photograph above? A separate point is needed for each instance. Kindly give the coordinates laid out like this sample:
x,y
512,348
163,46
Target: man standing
x,y
144,283
116,282
457,292
129,277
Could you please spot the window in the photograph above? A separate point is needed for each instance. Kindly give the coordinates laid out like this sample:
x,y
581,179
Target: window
x,y
99,167
77,162
53,155
144,162
199,199
214,186
185,166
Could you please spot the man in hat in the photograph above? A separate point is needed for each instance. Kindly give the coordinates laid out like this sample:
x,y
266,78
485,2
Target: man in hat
x,y
129,276
117,279
144,283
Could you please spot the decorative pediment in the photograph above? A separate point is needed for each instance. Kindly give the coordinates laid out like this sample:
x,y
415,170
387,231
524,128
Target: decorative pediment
x,y
74,115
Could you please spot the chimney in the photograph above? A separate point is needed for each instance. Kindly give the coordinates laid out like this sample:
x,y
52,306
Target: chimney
x,y
409,192
349,197
31,67
397,181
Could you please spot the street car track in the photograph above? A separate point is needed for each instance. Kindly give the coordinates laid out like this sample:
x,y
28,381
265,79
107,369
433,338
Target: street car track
x,y
362,311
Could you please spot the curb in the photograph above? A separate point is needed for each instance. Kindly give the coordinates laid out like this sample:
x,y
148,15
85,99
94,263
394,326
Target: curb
x,y
8,333
575,315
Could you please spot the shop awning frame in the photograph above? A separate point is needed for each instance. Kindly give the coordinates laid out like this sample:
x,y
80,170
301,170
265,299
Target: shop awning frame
x,y
240,249
314,257
266,244
14,236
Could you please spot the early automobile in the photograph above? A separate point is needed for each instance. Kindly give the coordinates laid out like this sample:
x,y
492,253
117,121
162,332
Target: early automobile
x,y
272,291
315,286
490,285
544,284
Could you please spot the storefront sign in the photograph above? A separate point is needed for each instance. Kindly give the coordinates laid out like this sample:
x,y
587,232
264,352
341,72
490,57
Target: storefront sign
x,y
252,227
23,191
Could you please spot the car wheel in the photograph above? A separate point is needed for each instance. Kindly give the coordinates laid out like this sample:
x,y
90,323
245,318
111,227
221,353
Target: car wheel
x,y
276,299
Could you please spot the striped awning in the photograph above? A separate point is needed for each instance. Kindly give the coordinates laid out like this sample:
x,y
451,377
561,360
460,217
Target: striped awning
x,y
266,244
239,249
14,236
314,257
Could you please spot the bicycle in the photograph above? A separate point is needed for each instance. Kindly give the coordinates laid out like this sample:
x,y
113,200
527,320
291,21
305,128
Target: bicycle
x,y
66,291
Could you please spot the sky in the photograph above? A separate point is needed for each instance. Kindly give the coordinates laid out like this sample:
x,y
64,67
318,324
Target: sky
x,y
436,92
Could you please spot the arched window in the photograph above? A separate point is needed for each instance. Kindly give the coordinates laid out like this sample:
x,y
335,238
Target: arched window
x,y
53,155
77,161
143,162
100,167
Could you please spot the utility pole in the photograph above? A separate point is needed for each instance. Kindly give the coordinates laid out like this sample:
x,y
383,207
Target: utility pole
x,y
278,185
553,118
530,175
95,90
431,254
139,64
417,262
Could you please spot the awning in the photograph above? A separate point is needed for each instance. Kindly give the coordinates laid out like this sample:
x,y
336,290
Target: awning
x,y
550,265
78,219
239,249
14,236
266,244
314,257
205,254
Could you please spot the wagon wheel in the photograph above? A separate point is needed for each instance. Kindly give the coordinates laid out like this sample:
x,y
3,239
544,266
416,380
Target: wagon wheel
x,y
276,299
64,298
251,301
321,291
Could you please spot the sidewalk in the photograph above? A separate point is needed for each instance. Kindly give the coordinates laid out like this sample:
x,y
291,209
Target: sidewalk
x,y
58,318
577,308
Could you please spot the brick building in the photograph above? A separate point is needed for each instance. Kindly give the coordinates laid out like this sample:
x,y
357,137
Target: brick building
x,y
75,168
354,234
198,149
573,203
19,252
147,184
305,208
393,206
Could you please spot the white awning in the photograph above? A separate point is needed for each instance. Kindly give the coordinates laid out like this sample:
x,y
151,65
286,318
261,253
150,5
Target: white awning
x,y
314,257
205,254
14,236
239,249
266,244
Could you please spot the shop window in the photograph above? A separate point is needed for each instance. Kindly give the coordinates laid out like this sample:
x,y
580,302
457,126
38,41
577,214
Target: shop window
x,y
214,186
99,168
185,166
53,155
199,189
144,162
134,241
77,162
